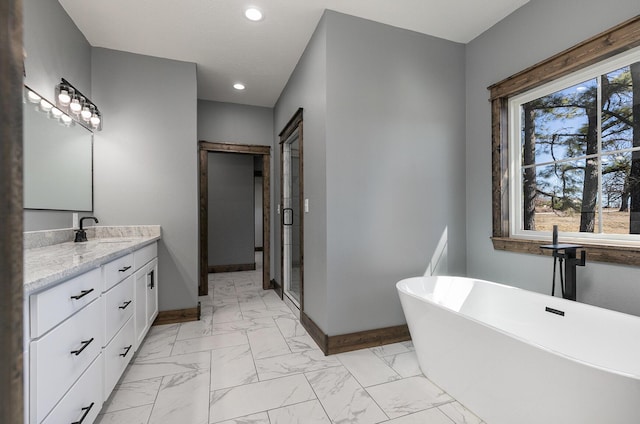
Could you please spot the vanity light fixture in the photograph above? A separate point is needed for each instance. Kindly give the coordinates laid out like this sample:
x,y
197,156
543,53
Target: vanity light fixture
x,y
78,106
239,86
253,14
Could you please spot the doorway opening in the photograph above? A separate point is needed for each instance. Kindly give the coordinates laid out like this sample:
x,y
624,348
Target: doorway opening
x,y
263,152
292,202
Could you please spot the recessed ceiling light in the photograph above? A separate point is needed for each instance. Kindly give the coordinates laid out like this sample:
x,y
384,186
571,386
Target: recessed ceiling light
x,y
253,14
239,86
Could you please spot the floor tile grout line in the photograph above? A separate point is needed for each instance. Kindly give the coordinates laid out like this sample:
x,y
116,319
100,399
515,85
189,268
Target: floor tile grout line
x,y
318,398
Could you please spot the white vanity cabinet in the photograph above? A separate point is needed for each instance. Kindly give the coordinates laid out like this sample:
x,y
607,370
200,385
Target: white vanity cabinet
x,y
82,333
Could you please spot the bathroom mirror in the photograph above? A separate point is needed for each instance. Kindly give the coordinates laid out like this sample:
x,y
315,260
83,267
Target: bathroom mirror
x,y
58,163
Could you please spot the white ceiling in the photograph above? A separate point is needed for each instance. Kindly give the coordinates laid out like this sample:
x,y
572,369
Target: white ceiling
x,y
228,48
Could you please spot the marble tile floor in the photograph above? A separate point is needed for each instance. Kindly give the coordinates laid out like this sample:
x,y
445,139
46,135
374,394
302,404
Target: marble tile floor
x,y
250,361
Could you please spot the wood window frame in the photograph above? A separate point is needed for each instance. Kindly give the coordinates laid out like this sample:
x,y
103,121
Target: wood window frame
x,y
616,40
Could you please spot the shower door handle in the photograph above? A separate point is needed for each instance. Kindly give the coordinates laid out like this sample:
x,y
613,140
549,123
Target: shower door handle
x,y
284,216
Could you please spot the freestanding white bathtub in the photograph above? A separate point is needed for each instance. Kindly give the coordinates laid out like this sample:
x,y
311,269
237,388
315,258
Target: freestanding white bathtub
x,y
517,357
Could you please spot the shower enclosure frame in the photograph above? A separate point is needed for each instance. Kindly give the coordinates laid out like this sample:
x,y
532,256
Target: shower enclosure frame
x,y
293,127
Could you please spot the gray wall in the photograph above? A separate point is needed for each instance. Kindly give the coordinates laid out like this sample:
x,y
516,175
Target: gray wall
x,y
307,88
233,123
146,160
395,175
231,237
385,179
534,32
55,48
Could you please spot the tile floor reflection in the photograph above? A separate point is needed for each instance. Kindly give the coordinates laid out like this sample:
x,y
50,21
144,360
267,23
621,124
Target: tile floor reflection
x,y
249,361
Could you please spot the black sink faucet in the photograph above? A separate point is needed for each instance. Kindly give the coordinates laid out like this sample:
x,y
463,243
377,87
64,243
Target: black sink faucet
x,y
81,234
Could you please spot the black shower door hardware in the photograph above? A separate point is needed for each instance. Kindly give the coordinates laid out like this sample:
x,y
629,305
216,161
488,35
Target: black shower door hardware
x,y
284,216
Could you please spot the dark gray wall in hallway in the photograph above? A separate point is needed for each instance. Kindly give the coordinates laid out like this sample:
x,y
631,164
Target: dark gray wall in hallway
x,y
146,160
538,30
231,236
55,48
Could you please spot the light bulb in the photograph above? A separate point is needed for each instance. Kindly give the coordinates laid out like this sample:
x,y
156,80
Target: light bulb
x,y
95,120
75,106
45,106
86,113
33,97
56,113
66,119
239,86
64,98
253,14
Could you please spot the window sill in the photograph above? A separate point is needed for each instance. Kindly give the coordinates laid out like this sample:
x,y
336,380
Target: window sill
x,y
625,255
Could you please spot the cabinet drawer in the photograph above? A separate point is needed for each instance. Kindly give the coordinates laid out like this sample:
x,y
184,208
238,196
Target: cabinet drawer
x,y
62,355
144,255
118,306
117,270
54,305
84,399
117,355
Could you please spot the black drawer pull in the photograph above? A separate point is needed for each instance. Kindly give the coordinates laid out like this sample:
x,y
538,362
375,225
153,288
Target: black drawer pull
x,y
124,269
127,349
152,279
86,410
85,343
82,294
125,305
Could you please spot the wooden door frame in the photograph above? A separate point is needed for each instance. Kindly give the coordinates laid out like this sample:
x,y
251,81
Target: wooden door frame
x,y
204,147
295,123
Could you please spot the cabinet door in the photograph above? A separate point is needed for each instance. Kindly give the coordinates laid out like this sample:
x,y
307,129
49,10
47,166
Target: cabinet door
x,y
152,291
141,321
146,299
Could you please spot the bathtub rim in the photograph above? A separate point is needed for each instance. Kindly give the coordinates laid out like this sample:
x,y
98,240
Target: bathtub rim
x,y
518,337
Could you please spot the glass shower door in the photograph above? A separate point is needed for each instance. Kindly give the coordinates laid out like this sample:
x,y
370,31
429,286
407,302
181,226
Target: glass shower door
x,y
291,219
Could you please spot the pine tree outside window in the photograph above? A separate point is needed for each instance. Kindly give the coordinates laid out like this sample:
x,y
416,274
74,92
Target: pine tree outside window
x,y
575,152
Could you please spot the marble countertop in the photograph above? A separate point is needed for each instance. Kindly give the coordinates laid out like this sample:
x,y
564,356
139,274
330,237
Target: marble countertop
x,y
46,265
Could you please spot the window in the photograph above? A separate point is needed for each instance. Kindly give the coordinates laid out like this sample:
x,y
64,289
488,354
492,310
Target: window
x,y
575,152
566,150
